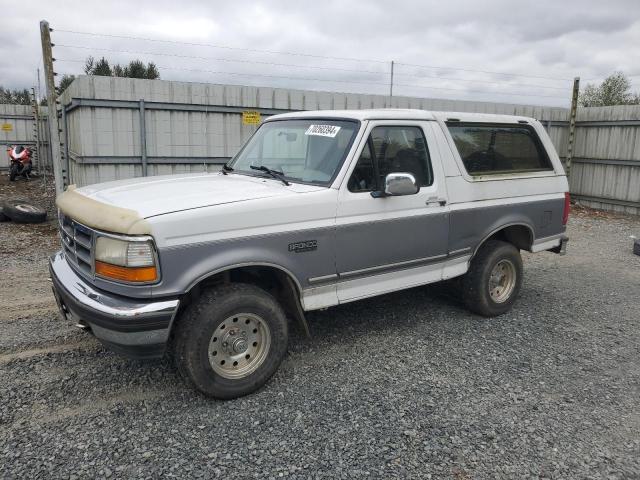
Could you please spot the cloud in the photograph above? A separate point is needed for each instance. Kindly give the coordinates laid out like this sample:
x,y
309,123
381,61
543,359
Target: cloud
x,y
536,39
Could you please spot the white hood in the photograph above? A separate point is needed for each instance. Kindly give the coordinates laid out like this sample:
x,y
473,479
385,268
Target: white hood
x,y
152,196
122,206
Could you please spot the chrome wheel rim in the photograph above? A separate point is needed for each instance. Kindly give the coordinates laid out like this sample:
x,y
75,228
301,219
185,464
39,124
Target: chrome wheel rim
x,y
502,281
239,345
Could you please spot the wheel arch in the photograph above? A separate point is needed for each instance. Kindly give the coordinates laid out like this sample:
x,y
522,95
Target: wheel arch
x,y
275,279
241,266
519,234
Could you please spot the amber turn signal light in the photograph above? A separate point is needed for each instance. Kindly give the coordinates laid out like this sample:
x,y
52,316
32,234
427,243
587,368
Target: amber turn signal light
x,y
127,274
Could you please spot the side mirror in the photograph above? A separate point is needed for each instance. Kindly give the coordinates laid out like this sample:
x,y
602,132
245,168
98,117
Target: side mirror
x,y
397,184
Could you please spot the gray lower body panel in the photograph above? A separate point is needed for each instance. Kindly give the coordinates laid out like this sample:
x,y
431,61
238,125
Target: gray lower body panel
x,y
469,227
352,250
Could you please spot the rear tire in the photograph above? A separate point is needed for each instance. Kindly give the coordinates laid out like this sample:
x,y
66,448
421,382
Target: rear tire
x,y
494,279
24,212
230,341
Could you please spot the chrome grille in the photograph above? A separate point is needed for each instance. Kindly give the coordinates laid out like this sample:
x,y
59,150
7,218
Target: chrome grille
x,y
78,242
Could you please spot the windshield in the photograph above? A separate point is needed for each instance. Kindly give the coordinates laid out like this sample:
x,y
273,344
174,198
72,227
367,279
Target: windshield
x,y
308,151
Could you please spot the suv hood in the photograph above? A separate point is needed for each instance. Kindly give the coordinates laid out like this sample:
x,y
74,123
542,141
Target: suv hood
x,y
118,206
152,196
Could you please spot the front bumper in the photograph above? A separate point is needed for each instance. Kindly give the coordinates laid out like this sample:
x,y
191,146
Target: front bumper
x,y
134,327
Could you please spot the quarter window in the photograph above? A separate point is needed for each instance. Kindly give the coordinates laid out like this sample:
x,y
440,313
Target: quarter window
x,y
391,149
498,149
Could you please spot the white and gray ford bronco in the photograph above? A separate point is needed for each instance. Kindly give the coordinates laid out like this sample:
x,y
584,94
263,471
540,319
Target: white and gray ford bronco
x,y
317,209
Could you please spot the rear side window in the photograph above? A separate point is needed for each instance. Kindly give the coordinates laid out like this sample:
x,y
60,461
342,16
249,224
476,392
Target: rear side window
x,y
499,149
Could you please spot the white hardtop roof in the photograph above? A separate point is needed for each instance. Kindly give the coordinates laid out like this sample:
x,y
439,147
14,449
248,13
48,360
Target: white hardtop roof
x,y
402,114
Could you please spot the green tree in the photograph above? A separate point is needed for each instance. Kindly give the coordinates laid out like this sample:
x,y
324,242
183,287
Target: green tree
x,y
118,71
614,90
152,71
135,69
102,68
17,96
89,65
65,81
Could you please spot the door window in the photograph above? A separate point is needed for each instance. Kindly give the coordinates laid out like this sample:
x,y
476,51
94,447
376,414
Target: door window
x,y
392,149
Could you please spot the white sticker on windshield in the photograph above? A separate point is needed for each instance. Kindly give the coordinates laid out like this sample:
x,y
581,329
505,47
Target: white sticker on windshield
x,y
323,130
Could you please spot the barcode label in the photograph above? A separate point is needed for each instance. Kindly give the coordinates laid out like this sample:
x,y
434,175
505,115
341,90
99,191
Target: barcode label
x,y
323,130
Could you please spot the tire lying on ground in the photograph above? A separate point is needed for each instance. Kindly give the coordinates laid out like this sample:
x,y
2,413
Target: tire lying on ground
x,y
3,217
636,246
24,212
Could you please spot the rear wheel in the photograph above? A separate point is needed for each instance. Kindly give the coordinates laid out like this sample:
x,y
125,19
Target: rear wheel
x,y
493,281
231,340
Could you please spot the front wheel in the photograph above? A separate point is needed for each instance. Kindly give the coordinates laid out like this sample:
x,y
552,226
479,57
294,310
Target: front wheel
x,y
493,281
231,340
13,173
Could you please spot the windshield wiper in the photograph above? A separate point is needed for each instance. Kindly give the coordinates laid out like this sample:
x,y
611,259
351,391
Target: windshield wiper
x,y
226,168
274,173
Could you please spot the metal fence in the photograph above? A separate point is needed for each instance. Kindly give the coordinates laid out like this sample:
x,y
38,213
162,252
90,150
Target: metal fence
x,y
119,128
17,127
116,128
606,165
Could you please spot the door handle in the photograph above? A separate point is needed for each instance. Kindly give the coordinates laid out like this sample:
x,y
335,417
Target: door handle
x,y
441,201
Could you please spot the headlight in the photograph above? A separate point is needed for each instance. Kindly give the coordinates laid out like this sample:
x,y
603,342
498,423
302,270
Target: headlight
x,y
125,260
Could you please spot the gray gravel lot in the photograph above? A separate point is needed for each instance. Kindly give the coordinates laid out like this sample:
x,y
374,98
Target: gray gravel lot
x,y
405,385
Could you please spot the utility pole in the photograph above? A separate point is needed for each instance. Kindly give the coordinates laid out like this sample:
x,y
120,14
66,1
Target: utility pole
x,y
54,129
391,86
572,124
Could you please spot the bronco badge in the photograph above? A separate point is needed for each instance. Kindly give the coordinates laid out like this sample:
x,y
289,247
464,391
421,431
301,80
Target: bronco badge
x,y
305,246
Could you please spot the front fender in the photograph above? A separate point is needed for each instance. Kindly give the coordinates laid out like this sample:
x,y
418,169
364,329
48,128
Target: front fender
x,y
184,266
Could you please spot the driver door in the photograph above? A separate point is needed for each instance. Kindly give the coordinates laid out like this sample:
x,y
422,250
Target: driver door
x,y
393,242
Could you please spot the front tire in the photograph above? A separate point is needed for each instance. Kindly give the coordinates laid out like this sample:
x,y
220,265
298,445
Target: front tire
x,y
494,279
230,341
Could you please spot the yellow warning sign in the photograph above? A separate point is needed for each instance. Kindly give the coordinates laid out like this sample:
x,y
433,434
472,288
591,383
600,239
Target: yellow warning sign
x,y
7,127
250,117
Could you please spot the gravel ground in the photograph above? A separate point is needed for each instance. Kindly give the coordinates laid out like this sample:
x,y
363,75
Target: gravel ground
x,y
405,385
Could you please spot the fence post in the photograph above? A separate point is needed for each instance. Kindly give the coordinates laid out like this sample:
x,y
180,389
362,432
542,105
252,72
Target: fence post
x,y
391,86
143,139
52,117
36,130
66,162
572,124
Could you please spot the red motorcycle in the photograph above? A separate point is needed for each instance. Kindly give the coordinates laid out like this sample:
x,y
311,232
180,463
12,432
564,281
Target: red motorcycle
x,y
20,162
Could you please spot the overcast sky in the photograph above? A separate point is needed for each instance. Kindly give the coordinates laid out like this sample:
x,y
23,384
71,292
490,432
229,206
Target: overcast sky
x,y
546,42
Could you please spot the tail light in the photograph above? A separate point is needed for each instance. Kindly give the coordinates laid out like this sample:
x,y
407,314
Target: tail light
x,y
567,207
